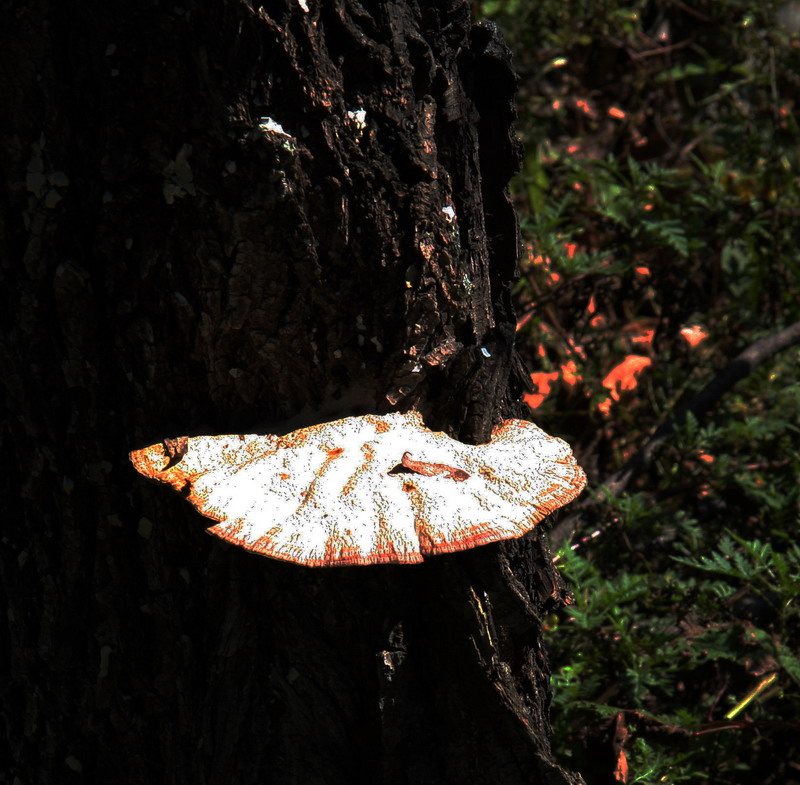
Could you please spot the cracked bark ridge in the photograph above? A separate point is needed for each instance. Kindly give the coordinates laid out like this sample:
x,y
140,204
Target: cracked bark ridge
x,y
216,214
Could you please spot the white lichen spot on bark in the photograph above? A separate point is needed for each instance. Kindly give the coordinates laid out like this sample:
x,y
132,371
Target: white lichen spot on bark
x,y
358,119
71,762
178,177
145,528
269,127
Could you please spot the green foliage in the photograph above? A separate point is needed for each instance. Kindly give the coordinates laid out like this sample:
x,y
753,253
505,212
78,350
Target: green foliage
x,y
660,207
679,620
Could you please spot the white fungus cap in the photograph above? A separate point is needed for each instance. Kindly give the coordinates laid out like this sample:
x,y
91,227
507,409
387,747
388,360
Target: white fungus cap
x,y
368,490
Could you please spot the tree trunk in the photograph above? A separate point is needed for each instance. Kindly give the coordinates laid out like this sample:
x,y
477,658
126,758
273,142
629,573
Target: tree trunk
x,y
226,218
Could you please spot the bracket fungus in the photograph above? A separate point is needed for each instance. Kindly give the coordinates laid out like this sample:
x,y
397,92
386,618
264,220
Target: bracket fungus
x,y
368,490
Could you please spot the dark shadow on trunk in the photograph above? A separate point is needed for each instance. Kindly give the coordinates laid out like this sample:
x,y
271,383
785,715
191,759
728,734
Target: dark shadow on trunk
x,y
220,218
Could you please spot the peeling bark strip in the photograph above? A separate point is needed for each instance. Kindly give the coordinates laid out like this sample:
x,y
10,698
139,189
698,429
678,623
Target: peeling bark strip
x,y
432,469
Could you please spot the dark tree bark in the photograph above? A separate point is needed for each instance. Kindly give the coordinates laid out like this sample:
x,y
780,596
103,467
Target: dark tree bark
x,y
217,218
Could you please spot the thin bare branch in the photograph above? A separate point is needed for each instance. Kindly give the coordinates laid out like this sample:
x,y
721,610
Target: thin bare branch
x,y
741,366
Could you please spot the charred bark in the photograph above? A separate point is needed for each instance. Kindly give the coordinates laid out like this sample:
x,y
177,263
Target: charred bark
x,y
221,217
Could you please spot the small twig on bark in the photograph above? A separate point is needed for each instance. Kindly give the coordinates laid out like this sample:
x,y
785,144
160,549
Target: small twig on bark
x,y
742,365
652,52
692,11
